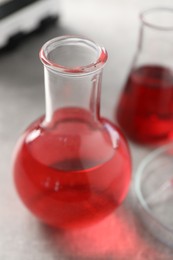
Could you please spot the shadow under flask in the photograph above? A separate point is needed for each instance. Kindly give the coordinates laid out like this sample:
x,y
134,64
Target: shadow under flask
x,y
145,109
72,167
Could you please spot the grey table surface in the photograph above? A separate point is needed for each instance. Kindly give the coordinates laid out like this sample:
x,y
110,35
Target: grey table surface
x,y
121,236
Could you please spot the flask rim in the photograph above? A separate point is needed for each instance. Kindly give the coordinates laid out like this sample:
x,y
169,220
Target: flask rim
x,y
159,26
92,67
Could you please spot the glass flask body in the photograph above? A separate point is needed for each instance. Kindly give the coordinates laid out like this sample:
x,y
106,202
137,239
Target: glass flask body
x,y
71,167
145,109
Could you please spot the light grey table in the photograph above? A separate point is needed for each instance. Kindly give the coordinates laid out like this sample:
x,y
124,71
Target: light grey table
x,y
114,24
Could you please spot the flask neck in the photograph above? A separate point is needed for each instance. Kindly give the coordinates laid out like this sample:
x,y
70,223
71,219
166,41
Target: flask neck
x,y
156,37
155,41
73,71
66,92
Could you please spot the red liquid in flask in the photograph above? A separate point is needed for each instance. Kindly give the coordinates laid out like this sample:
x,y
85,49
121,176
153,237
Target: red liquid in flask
x,y
72,174
145,110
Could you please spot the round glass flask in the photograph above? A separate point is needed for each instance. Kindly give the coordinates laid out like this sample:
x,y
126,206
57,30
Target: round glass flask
x,y
145,109
71,166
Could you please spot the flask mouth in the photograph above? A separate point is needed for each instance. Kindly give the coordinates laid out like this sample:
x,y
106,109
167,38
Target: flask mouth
x,y
160,18
73,55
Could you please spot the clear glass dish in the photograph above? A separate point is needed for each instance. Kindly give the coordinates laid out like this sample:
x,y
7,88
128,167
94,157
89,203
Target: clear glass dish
x,y
153,188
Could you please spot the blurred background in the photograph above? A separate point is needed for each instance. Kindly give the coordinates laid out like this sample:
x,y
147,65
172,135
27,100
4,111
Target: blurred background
x,y
24,28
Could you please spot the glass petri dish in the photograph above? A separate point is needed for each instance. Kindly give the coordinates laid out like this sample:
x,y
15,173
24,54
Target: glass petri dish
x,y
153,186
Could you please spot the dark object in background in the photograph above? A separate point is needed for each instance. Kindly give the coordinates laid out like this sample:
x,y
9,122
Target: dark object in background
x,y
20,19
10,7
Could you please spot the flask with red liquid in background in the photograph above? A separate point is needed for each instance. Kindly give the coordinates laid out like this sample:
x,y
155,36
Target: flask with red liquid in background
x,y
145,109
72,167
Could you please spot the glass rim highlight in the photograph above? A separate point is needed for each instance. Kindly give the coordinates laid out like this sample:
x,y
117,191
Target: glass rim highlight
x,y
156,10
97,64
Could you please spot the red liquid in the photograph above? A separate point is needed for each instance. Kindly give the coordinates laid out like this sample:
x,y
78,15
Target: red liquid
x,y
75,173
145,110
